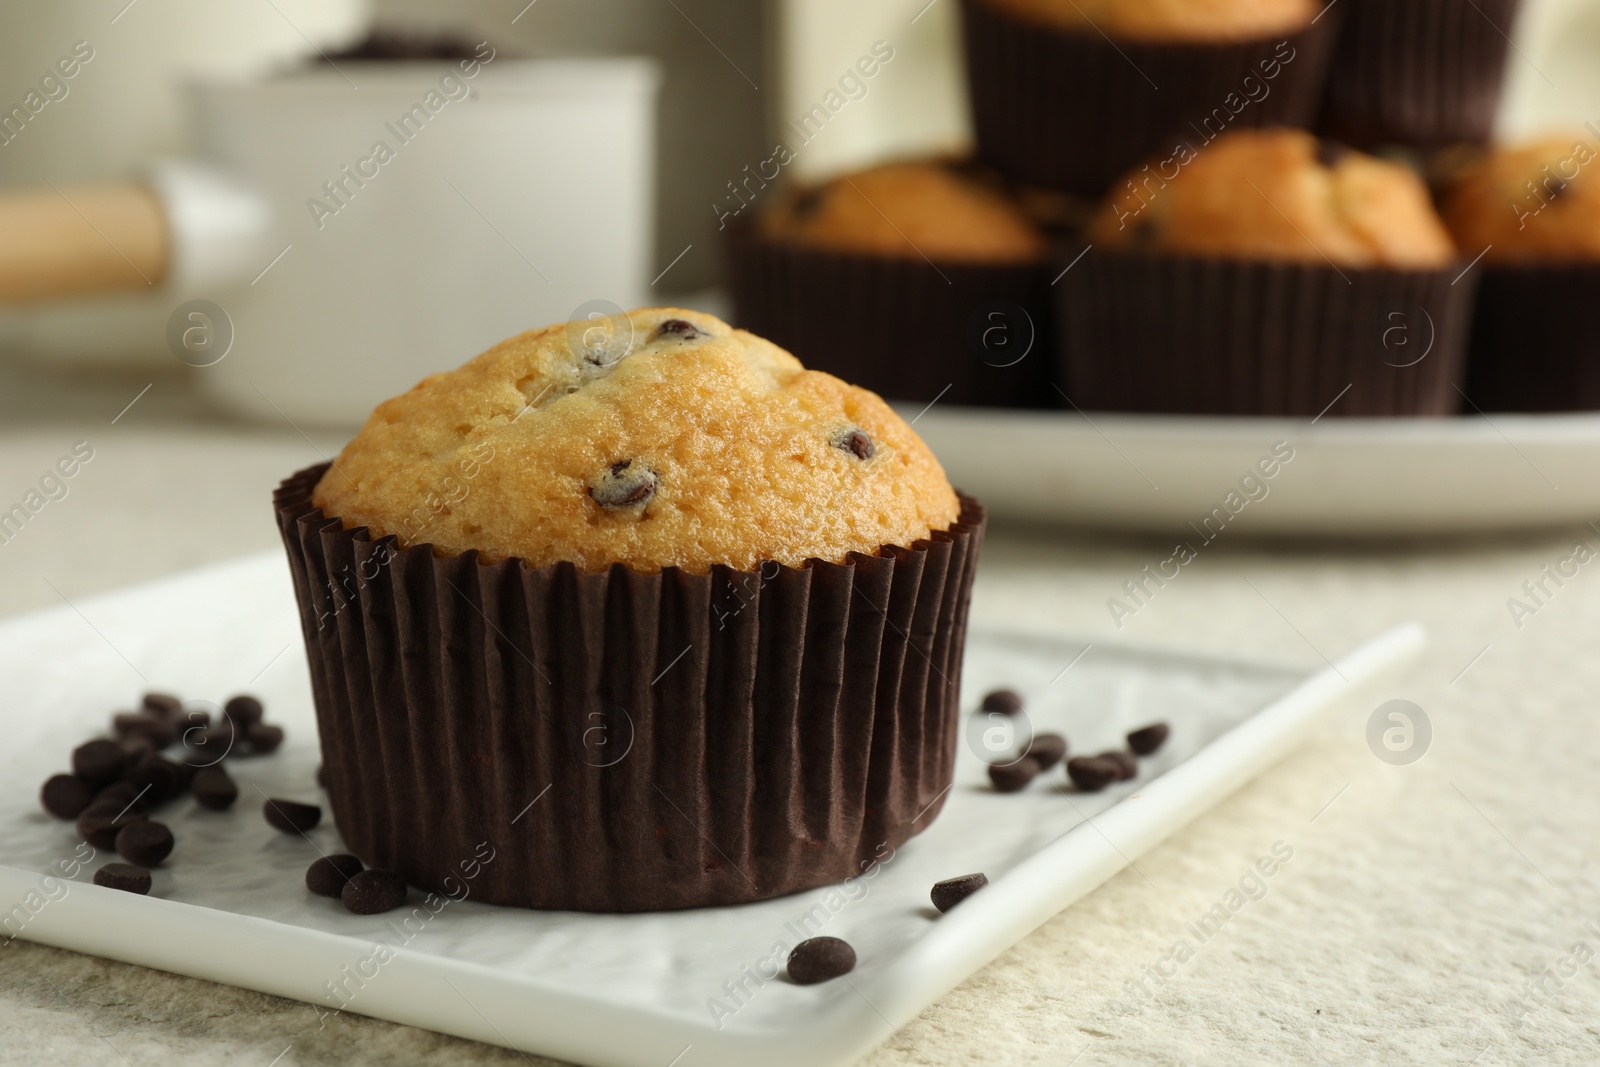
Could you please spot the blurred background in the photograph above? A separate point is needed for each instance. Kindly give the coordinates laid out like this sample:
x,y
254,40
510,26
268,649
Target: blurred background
x,y
211,256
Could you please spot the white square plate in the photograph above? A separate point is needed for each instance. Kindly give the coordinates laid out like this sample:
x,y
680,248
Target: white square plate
x,y
615,990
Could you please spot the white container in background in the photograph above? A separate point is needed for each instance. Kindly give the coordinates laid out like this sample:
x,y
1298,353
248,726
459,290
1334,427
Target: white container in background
x,y
507,201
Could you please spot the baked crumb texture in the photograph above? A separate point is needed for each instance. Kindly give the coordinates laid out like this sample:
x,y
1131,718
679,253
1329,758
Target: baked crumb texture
x,y
657,438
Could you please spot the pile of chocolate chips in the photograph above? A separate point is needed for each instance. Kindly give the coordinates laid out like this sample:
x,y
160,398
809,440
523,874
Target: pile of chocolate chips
x,y
1089,774
116,782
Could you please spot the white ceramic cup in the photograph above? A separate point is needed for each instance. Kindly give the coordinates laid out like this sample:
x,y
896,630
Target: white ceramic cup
x,y
424,211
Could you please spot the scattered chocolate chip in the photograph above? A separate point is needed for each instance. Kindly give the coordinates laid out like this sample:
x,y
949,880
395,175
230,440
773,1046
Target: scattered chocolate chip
x,y
101,822
291,816
1048,749
952,891
122,794
1147,739
209,747
123,876
243,710
161,775
624,484
66,795
155,727
680,328
214,789
854,442
98,761
144,843
1330,153
1091,773
1005,701
136,749
328,876
263,738
165,703
819,959
1127,766
374,891
1013,777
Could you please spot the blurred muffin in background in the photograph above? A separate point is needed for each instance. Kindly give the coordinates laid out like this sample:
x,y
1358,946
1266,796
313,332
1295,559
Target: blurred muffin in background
x,y
1180,72
1424,73
1533,211
918,280
1269,274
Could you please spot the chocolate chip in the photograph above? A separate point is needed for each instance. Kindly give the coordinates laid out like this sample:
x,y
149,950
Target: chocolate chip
x,y
66,795
1013,777
1048,749
328,876
1147,739
624,484
155,727
165,703
1005,701
144,843
101,822
243,709
808,201
1127,766
1091,773
374,891
123,876
819,959
679,328
854,442
263,738
209,747
136,750
98,761
1330,153
952,891
161,775
122,794
214,789
291,816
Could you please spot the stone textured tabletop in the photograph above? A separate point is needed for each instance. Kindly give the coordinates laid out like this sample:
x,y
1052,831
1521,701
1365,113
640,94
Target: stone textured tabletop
x,y
1442,912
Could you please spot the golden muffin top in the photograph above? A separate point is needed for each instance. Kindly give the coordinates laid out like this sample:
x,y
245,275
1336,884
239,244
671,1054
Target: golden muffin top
x,y
910,210
1535,201
1276,195
659,438
1169,20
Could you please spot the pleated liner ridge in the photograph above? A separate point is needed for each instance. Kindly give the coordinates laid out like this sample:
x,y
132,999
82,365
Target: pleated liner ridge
x,y
1194,335
904,328
628,741
1418,72
1074,111
1534,344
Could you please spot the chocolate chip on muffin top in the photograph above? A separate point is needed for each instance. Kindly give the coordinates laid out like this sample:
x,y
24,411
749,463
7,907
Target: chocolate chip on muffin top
x,y
691,444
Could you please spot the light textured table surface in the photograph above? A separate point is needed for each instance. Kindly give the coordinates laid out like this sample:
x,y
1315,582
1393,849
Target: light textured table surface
x,y
1419,905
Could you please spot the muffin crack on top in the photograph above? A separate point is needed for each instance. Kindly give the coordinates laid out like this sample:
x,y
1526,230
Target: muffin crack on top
x,y
657,438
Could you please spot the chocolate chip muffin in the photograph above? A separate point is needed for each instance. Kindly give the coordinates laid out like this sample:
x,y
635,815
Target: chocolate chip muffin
x,y
1167,20
672,440
909,210
1177,73
1419,73
1277,195
920,280
1533,211
640,608
1267,274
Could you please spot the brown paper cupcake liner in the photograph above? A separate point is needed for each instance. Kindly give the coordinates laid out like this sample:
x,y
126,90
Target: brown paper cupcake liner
x,y
1075,111
905,328
1534,343
1192,335
627,741
1418,72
